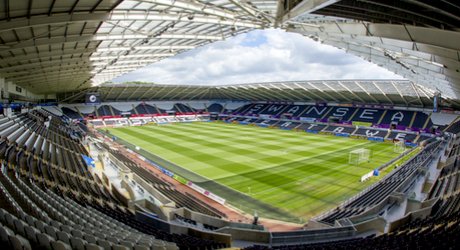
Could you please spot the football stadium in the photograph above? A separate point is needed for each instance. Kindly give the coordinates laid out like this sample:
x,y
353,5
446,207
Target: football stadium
x,y
89,163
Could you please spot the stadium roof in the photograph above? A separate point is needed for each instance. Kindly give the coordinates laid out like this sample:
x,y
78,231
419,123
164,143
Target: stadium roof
x,y
385,92
52,46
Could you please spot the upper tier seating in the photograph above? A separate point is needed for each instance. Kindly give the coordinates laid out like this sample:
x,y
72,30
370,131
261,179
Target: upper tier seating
x,y
399,117
104,110
215,108
182,108
71,113
368,115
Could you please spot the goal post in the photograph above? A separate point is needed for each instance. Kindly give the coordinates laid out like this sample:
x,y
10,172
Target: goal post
x,y
359,156
399,146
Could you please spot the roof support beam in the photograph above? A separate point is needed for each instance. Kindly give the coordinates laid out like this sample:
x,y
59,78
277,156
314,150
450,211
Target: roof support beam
x,y
99,37
80,17
193,6
306,6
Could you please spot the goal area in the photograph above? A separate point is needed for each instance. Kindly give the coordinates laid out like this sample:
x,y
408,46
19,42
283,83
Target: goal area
x,y
359,156
399,146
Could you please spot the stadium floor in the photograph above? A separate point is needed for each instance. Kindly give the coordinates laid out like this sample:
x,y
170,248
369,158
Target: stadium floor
x,y
278,173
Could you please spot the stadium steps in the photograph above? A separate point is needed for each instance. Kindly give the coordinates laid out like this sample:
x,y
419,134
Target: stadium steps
x,y
96,113
282,111
205,108
262,111
383,115
388,134
354,131
413,119
243,111
452,124
156,108
81,115
190,107
325,114
223,107
111,110
135,110
416,139
427,121
178,108
353,115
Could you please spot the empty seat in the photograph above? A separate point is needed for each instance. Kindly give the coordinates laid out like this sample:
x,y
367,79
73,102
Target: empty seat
x,y
127,243
112,239
90,238
105,244
44,240
59,245
63,236
77,243
19,227
31,234
51,231
120,247
141,247
5,232
40,225
19,243
91,246
76,233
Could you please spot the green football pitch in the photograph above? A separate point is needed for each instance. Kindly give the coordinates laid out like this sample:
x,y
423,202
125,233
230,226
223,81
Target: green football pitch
x,y
281,174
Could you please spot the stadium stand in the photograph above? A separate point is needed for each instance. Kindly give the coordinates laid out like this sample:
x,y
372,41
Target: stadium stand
x,y
454,128
182,200
381,133
372,116
316,112
397,180
48,158
71,113
288,125
140,109
400,118
105,110
339,129
215,108
310,127
50,200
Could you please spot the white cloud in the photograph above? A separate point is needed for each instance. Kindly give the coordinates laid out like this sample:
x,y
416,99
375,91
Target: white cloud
x,y
259,56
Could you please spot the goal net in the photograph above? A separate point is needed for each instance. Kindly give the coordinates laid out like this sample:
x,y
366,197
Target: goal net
x,y
399,146
359,156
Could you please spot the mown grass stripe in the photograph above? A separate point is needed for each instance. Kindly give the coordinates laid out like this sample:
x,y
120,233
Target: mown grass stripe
x,y
300,173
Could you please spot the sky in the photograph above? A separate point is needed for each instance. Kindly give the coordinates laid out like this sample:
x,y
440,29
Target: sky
x,y
259,56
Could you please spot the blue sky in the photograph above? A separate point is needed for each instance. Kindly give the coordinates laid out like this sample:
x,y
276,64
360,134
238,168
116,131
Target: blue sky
x,y
259,56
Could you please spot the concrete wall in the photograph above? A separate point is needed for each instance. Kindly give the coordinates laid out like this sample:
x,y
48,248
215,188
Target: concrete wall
x,y
246,235
9,88
377,223
213,221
